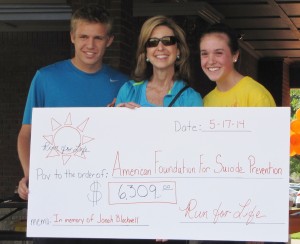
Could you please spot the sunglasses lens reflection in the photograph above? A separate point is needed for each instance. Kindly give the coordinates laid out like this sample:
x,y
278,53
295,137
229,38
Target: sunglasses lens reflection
x,y
153,42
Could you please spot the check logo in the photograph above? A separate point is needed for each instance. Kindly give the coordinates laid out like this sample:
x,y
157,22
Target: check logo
x,y
112,81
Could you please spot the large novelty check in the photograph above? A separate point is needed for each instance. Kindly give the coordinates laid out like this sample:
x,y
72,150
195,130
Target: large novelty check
x,y
160,173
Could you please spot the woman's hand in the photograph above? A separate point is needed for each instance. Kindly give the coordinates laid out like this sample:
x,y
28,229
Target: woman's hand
x,y
131,105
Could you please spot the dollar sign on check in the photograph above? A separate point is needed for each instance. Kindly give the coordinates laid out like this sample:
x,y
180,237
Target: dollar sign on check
x,y
96,194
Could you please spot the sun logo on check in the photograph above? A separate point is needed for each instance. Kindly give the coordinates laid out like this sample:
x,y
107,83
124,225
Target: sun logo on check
x,y
67,140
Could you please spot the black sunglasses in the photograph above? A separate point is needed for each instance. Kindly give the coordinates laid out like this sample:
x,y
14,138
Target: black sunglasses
x,y
166,40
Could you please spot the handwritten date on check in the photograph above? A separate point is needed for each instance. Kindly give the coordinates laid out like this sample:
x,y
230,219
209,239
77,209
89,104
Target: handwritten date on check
x,y
160,173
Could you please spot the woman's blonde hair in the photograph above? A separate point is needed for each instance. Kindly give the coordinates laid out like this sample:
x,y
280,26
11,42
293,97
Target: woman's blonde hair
x,y
143,70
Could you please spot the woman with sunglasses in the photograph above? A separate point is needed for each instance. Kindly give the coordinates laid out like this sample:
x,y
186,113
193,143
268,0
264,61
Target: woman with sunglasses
x,y
162,69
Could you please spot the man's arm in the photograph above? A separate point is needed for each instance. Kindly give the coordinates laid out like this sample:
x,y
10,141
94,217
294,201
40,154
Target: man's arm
x,y
24,155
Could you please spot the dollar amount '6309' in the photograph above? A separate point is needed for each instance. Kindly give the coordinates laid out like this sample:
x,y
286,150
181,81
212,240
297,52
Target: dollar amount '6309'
x,y
142,192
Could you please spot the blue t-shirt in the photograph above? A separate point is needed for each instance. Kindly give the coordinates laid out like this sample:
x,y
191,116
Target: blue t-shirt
x,y
133,91
63,85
